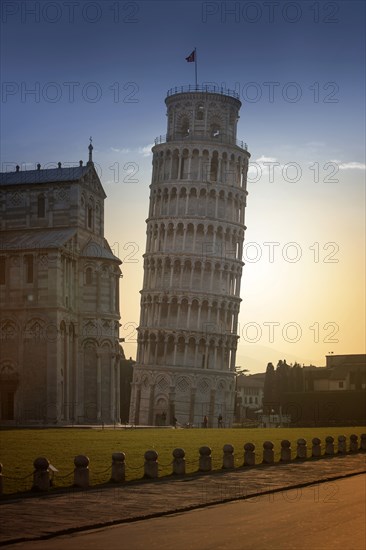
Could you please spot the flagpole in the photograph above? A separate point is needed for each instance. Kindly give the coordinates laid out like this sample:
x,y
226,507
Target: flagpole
x,y
195,65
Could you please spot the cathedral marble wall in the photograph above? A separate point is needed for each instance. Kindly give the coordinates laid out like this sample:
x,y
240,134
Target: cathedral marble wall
x,y
59,298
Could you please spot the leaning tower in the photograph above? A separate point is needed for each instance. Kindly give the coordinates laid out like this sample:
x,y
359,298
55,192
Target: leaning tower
x,y
187,337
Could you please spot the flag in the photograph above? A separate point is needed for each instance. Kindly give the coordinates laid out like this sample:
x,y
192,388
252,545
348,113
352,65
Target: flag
x,y
192,57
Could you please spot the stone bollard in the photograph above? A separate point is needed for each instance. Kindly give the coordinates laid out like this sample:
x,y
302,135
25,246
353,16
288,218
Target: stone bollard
x,y
41,474
302,450
151,467
118,468
81,471
179,462
228,459
363,442
249,454
353,443
268,453
329,445
1,479
342,444
285,451
205,460
316,450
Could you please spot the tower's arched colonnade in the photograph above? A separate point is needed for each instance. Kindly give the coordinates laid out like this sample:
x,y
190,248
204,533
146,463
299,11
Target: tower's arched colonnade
x,y
187,337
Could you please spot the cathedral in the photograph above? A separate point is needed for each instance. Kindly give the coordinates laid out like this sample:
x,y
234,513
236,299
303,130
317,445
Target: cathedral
x,y
59,299
187,335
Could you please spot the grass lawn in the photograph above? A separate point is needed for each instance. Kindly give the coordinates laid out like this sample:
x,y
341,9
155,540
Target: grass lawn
x,y
20,447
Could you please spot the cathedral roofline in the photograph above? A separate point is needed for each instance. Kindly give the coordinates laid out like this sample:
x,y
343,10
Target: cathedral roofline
x,y
48,175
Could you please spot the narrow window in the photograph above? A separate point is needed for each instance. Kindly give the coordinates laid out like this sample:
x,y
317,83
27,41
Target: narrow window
x,y
41,207
28,260
90,218
200,110
2,270
88,276
185,127
116,295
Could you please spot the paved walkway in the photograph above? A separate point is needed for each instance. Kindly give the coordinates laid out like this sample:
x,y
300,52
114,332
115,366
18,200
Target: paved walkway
x,y
54,514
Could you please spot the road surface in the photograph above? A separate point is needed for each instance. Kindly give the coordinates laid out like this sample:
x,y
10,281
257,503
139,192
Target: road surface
x,y
323,516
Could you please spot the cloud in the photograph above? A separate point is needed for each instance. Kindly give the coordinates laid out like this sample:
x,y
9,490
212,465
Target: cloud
x,y
263,159
351,166
123,151
264,164
144,151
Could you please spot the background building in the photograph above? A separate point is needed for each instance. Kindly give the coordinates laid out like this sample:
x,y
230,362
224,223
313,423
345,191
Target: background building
x,y
59,299
249,396
309,395
187,337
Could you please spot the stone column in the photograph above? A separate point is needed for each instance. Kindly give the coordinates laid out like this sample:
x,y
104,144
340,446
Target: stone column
x,y
151,405
194,238
118,388
199,167
211,412
99,387
80,407
175,354
66,404
189,314
112,388
196,354
192,405
171,405
147,361
98,290
206,356
189,175
232,360
137,405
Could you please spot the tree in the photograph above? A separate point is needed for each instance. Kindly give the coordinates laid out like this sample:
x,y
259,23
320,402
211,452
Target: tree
x,y
270,398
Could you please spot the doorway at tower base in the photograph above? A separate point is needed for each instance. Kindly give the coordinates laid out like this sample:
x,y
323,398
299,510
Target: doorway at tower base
x,y
160,396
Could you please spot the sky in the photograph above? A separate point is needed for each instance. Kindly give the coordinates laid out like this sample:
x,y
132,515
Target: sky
x,y
75,69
